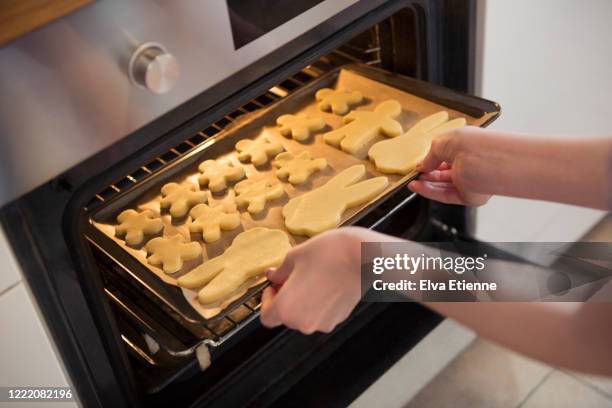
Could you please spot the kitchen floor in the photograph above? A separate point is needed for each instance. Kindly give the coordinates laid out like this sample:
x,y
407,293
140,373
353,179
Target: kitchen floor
x,y
453,367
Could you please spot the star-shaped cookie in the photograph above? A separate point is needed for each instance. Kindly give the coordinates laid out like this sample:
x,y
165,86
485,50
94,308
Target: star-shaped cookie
x,y
298,168
211,220
299,127
133,225
258,151
170,253
216,174
180,198
338,101
255,194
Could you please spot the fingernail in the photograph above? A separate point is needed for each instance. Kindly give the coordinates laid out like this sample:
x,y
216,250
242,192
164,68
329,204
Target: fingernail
x,y
419,166
269,272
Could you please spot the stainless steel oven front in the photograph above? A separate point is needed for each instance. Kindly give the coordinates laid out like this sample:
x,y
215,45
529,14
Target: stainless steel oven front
x,y
112,95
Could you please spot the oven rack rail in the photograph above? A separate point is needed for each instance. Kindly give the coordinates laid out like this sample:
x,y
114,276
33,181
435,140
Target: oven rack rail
x,y
369,55
214,335
146,170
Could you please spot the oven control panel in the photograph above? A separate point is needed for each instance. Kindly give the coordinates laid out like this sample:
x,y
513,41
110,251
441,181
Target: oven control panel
x,y
152,67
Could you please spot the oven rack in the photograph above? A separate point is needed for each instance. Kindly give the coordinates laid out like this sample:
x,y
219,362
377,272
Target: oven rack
x,y
369,55
156,322
220,332
274,94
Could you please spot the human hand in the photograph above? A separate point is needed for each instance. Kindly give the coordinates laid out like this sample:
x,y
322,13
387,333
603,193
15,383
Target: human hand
x,y
452,172
318,284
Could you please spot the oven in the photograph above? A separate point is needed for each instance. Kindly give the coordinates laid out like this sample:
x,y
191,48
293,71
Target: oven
x,y
117,122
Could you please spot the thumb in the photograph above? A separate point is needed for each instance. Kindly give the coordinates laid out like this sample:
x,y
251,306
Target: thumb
x,y
278,276
439,152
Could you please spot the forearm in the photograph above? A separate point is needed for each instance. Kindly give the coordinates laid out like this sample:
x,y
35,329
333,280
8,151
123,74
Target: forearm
x,y
573,171
570,335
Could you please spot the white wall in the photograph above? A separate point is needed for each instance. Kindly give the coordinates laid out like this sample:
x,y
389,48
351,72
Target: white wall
x,y
549,64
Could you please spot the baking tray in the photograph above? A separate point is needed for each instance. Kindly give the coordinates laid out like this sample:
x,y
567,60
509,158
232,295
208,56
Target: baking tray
x,y
418,99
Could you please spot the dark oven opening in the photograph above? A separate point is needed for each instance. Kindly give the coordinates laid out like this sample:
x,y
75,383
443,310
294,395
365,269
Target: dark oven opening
x,y
136,349
164,353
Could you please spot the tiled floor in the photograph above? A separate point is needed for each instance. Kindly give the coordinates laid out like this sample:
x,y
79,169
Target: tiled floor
x,y
482,374
486,375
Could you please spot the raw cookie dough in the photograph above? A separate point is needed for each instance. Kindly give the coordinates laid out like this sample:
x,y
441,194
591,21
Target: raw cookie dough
x,y
180,198
321,209
255,193
133,225
216,174
169,253
251,253
211,220
299,127
297,168
337,101
258,151
401,154
363,126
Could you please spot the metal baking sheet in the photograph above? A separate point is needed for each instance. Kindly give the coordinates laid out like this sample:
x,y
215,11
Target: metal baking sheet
x,y
418,99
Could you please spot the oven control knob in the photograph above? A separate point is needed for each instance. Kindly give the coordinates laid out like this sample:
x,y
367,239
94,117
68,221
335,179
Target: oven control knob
x,y
154,68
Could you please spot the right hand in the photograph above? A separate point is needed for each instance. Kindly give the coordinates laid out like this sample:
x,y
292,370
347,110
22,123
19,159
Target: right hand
x,y
452,170
318,284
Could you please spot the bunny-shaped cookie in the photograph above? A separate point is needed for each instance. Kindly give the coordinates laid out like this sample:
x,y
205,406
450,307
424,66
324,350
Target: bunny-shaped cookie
x,y
322,208
363,126
337,101
401,154
251,253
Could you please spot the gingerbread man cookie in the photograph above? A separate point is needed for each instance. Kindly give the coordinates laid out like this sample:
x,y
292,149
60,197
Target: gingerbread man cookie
x,y
299,127
258,151
337,101
401,154
133,225
321,209
170,253
363,126
216,174
251,253
211,220
298,168
255,194
180,198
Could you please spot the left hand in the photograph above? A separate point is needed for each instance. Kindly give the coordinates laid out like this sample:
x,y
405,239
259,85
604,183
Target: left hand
x,y
318,284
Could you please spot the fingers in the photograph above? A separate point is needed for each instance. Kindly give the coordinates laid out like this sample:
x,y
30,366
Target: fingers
x,y
443,192
269,312
444,166
441,151
278,276
437,175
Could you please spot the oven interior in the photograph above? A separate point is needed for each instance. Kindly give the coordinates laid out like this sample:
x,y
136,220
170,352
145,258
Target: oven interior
x,y
165,359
